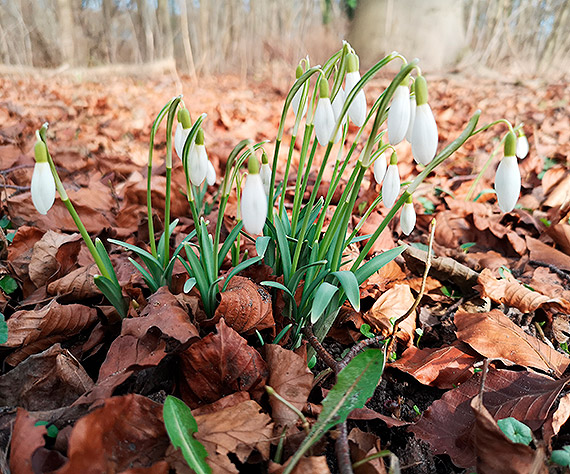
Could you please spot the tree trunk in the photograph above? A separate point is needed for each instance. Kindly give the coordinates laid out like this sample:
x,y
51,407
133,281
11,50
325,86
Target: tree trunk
x,y
66,26
185,31
165,29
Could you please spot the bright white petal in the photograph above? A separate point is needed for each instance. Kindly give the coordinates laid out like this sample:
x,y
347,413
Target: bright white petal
x,y
508,183
265,173
198,164
357,109
180,138
399,115
424,136
253,205
324,121
42,188
522,147
337,105
380,166
408,218
211,174
391,186
296,102
412,119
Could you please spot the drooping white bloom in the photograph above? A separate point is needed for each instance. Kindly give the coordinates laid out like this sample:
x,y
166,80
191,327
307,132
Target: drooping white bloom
x,y
391,184
410,130
180,136
399,115
198,164
253,201
43,187
380,166
522,146
337,105
508,183
324,116
357,109
265,173
424,134
211,174
408,217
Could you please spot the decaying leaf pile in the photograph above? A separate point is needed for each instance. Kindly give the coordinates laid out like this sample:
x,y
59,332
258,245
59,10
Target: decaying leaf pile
x,y
499,289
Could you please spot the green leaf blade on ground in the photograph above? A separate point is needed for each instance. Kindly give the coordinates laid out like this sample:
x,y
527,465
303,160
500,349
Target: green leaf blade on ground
x,y
180,426
3,330
355,385
516,431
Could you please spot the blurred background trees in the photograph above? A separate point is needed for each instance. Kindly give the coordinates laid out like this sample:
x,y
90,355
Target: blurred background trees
x,y
211,36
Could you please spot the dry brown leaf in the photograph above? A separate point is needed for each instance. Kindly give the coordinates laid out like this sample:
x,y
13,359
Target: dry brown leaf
x,y
363,445
127,432
239,430
77,285
557,419
560,233
245,306
45,381
392,304
448,423
541,252
306,465
290,377
161,467
559,194
510,292
497,454
444,367
26,438
219,365
45,263
494,335
44,327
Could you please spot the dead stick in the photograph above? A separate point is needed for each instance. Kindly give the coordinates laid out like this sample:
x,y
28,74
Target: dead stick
x,y
320,350
343,451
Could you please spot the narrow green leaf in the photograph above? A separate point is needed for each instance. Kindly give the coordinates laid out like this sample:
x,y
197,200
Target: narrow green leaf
x,y
180,426
113,294
189,284
230,239
282,333
198,272
283,248
321,300
516,431
3,330
240,267
365,271
152,284
355,385
350,286
261,244
160,248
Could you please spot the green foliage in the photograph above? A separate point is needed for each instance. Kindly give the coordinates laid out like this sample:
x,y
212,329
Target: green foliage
x,y
52,430
355,385
561,456
516,431
8,284
3,330
180,426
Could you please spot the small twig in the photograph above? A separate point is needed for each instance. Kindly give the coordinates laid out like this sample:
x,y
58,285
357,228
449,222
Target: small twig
x,y
359,347
17,188
560,273
483,380
14,168
320,350
453,307
342,450
367,459
420,294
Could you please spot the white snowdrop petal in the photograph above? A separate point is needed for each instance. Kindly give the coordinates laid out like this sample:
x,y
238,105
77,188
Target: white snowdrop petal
x,y
399,115
337,105
296,102
424,135
380,166
408,218
42,188
391,186
211,174
253,204
508,183
412,119
324,121
522,147
198,164
357,109
265,173
180,136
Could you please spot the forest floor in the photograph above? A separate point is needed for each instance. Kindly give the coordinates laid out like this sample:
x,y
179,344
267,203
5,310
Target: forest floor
x,y
498,291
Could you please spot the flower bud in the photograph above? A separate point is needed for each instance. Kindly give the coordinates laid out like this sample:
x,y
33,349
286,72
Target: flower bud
x,y
413,106
211,174
408,217
43,184
198,161
380,166
522,145
508,178
324,115
391,185
265,173
399,115
357,108
253,200
296,100
424,134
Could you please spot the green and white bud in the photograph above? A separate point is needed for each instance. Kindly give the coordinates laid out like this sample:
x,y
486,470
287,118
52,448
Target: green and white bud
x,y
324,115
253,200
522,145
508,177
357,109
296,100
265,172
198,161
43,183
391,185
408,217
424,134
182,130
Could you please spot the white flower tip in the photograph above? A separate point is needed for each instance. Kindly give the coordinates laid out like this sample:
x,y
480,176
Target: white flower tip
x,y
42,188
424,135
399,115
253,204
522,147
408,218
508,183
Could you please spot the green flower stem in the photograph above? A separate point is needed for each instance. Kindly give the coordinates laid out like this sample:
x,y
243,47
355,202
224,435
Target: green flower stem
x,y
166,258
492,124
298,195
443,155
286,175
366,215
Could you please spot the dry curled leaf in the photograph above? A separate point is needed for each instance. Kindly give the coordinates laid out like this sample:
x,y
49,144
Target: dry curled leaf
x,y
541,252
219,365
495,336
245,306
26,438
363,445
306,465
77,285
290,377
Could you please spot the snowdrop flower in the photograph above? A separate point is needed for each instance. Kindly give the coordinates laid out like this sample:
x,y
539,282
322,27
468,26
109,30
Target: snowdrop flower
x,y
380,166
522,145
337,105
253,200
211,174
296,100
508,177
43,184
399,113
408,217
357,109
182,130
424,134
324,115
198,161
265,173
391,185
413,106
